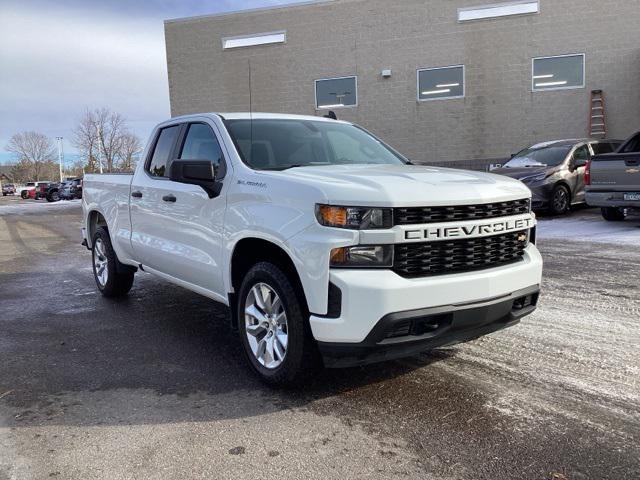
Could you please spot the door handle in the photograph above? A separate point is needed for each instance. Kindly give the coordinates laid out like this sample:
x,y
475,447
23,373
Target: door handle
x,y
169,198
136,194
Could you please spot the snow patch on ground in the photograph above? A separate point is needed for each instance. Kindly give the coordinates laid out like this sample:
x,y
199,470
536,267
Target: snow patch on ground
x,y
589,226
33,206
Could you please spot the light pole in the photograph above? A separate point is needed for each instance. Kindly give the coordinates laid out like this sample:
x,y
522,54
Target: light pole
x,y
100,148
60,154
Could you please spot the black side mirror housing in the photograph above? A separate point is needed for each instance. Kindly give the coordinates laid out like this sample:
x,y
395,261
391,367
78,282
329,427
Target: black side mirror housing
x,y
581,162
196,172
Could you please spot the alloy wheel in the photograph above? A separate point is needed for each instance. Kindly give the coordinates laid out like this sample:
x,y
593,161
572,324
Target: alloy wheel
x,y
560,200
100,262
266,325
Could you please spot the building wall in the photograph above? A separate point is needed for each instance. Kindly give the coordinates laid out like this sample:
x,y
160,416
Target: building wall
x,y
499,114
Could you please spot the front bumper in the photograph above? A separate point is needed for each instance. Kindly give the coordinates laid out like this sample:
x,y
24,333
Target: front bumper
x,y
541,195
370,295
408,333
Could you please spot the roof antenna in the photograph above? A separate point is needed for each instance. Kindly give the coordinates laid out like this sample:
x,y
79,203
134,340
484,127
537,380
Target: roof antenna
x,y
250,115
331,115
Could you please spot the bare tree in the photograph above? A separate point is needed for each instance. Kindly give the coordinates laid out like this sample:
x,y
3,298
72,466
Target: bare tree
x,y
103,134
85,139
33,151
130,148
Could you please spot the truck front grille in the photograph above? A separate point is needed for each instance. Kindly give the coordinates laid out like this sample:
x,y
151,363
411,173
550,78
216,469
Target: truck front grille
x,y
421,215
455,256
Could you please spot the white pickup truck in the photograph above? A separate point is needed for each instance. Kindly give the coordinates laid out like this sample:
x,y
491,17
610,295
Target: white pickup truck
x,y
328,246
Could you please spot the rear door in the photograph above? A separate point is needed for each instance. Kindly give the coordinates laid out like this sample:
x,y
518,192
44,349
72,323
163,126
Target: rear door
x,y
177,228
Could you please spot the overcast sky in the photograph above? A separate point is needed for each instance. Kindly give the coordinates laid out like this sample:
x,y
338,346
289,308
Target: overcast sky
x,y
59,57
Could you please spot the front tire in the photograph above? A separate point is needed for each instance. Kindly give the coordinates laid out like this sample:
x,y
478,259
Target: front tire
x,y
560,200
112,277
273,327
613,214
53,196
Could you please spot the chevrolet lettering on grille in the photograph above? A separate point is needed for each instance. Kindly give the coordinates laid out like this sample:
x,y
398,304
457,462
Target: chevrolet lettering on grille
x,y
440,232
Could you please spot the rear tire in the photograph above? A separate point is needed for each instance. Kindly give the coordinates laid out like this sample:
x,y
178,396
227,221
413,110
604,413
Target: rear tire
x,y
24,194
613,214
560,200
113,278
271,308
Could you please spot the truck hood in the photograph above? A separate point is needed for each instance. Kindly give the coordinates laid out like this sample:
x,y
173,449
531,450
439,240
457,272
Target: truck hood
x,y
407,185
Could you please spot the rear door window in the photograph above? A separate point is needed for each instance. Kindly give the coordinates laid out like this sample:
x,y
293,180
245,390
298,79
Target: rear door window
x,y
157,166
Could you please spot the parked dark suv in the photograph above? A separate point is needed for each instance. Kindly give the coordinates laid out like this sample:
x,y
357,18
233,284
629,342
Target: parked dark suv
x,y
70,189
554,171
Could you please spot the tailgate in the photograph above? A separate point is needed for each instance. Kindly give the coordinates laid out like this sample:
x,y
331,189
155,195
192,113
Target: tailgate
x,y
616,172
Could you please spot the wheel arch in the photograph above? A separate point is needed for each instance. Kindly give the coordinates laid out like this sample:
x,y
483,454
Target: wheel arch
x,y
562,182
95,219
247,252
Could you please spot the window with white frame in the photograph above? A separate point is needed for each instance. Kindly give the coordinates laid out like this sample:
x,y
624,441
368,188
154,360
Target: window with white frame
x,y
559,72
506,9
337,92
440,83
254,40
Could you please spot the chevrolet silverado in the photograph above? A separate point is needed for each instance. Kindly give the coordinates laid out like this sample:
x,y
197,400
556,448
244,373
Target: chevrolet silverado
x,y
329,246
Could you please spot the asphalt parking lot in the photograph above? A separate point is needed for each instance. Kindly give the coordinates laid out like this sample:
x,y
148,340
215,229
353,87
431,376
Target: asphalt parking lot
x,y
153,386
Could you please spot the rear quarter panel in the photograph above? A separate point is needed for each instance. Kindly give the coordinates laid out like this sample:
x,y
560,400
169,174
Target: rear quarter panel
x,y
108,194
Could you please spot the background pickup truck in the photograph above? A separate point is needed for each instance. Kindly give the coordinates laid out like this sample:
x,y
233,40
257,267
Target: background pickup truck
x,y
328,246
613,180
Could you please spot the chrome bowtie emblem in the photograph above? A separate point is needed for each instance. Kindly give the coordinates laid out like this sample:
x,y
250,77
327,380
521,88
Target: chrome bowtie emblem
x,y
633,170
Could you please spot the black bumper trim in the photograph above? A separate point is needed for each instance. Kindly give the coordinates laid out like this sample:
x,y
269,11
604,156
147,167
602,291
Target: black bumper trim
x,y
408,333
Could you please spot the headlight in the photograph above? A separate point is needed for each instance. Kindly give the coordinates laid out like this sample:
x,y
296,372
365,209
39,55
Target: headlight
x,y
534,178
355,218
373,256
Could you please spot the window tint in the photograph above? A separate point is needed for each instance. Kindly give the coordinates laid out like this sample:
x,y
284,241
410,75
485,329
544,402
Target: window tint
x,y
347,148
603,147
279,144
201,144
162,151
553,73
447,82
581,153
336,93
633,146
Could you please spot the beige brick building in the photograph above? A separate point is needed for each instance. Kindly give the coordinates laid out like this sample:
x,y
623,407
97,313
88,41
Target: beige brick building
x,y
487,107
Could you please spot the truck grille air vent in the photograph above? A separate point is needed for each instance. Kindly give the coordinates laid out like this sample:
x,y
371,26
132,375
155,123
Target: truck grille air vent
x,y
419,215
455,256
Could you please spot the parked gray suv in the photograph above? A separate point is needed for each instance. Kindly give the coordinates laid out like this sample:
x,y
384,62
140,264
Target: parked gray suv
x,y
554,171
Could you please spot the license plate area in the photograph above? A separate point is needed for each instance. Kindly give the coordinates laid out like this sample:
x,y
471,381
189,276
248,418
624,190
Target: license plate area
x,y
631,197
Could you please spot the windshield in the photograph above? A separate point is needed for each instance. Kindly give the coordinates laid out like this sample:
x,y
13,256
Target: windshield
x,y
539,157
280,144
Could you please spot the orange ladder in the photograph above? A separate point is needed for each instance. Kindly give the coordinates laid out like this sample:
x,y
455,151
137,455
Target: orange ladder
x,y
597,118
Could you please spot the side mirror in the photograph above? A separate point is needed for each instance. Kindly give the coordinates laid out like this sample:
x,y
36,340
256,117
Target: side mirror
x,y
196,172
512,155
579,162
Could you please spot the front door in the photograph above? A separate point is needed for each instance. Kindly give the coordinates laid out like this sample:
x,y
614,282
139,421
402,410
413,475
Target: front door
x,y
176,228
577,166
